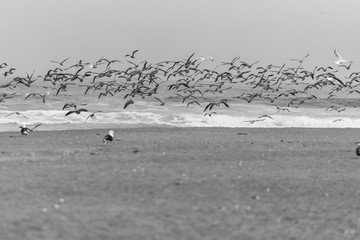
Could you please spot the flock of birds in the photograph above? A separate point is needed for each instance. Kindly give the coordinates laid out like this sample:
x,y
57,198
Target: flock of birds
x,y
190,81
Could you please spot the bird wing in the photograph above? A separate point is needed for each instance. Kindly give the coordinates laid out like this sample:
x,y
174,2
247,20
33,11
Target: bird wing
x,y
32,94
338,56
91,115
35,126
69,112
9,114
65,106
28,95
24,116
159,99
128,103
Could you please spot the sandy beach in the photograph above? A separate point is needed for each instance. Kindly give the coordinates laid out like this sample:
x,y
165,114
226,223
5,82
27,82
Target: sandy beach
x,y
181,183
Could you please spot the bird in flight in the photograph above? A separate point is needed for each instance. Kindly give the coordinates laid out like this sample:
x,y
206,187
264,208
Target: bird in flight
x,y
92,115
78,111
69,105
266,116
255,120
162,102
201,59
38,94
10,71
60,63
339,59
132,55
17,113
128,103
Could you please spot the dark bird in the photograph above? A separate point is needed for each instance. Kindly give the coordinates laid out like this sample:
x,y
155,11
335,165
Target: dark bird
x,y
91,115
63,87
338,120
162,103
77,111
38,94
10,71
108,62
25,130
109,137
60,63
346,66
128,103
281,108
69,105
192,102
266,116
132,55
211,105
106,93
3,65
357,151
17,113
209,114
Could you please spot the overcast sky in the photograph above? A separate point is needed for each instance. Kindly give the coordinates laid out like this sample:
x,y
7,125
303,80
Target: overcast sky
x,y
272,31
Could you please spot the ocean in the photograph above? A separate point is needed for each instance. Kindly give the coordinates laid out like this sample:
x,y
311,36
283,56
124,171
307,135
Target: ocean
x,y
338,112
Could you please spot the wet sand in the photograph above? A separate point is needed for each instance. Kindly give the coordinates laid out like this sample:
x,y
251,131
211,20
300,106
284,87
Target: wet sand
x,y
181,183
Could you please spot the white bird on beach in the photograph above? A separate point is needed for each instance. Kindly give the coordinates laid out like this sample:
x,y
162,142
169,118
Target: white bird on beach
x,y
339,59
109,137
25,130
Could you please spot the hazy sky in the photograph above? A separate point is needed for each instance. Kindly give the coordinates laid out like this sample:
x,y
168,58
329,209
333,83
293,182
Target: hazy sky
x,y
273,31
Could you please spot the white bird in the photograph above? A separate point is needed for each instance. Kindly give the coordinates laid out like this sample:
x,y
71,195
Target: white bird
x,y
25,130
201,59
339,59
109,137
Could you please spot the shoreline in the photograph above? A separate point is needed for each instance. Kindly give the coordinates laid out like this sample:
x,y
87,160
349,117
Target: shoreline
x,y
144,126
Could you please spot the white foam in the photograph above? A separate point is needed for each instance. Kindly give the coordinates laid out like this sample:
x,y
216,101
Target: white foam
x,y
178,117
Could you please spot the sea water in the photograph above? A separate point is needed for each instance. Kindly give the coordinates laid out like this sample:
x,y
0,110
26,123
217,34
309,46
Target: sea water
x,y
149,112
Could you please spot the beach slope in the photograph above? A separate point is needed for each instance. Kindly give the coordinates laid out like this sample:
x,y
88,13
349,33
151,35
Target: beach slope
x,y
180,183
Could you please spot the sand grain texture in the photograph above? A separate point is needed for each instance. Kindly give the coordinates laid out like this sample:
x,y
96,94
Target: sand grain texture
x,y
181,183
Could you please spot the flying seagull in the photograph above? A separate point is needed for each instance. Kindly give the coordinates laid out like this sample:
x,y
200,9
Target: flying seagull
x,y
38,94
17,113
92,115
132,55
339,59
78,111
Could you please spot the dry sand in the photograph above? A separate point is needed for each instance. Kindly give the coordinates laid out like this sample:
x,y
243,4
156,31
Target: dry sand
x,y
181,183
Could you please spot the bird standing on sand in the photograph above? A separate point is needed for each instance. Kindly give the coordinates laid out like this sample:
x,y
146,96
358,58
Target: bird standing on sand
x,y
358,149
25,130
109,137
